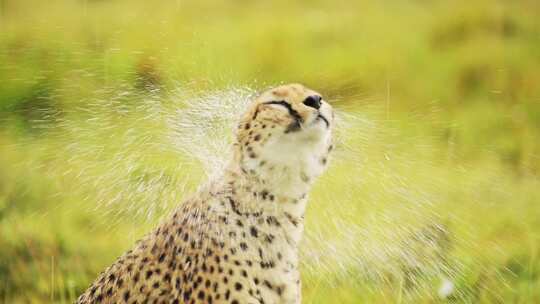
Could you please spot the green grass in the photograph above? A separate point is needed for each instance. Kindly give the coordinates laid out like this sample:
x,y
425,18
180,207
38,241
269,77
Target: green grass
x,y
449,93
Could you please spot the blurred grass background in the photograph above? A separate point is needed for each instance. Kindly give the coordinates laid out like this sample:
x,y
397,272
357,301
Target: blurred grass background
x,y
457,83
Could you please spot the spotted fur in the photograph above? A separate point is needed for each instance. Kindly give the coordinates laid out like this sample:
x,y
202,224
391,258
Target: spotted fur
x,y
236,240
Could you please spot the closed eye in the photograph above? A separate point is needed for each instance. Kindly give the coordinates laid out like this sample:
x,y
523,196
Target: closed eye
x,y
279,102
289,108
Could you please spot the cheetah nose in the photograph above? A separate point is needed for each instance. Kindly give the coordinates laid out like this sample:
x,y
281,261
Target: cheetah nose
x,y
313,101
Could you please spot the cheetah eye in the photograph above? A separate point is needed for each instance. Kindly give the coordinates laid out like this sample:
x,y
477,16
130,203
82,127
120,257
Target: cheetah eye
x,y
289,108
282,103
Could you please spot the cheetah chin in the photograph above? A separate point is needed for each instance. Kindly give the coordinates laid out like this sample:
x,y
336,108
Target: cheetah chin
x,y
236,239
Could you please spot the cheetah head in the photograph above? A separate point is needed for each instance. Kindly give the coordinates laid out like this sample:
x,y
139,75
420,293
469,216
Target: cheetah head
x,y
286,131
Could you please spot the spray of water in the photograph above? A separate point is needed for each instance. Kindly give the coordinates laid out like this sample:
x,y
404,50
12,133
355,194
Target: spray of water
x,y
138,154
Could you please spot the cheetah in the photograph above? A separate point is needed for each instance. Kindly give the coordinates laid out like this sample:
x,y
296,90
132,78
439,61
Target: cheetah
x,y
236,239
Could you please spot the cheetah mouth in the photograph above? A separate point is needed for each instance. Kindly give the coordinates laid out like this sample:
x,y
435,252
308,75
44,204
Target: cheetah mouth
x,y
321,117
296,125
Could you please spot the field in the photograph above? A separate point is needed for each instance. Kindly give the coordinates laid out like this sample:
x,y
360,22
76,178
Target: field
x,y
435,179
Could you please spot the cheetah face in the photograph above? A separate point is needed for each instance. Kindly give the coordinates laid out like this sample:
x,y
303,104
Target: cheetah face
x,y
295,109
287,125
292,110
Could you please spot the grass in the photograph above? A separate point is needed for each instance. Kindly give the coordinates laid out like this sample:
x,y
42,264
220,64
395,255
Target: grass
x,y
447,131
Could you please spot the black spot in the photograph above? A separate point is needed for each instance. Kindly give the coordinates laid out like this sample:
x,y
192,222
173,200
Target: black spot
x,y
237,286
149,274
291,219
253,231
271,220
126,296
269,264
269,238
200,295
187,294
243,246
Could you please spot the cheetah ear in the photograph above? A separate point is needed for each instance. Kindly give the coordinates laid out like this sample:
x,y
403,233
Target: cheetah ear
x,y
280,92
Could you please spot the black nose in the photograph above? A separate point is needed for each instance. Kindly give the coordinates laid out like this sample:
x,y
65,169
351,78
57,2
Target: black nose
x,y
313,101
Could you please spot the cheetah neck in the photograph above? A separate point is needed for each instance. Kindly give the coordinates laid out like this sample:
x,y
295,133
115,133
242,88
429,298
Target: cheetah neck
x,y
275,176
275,188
